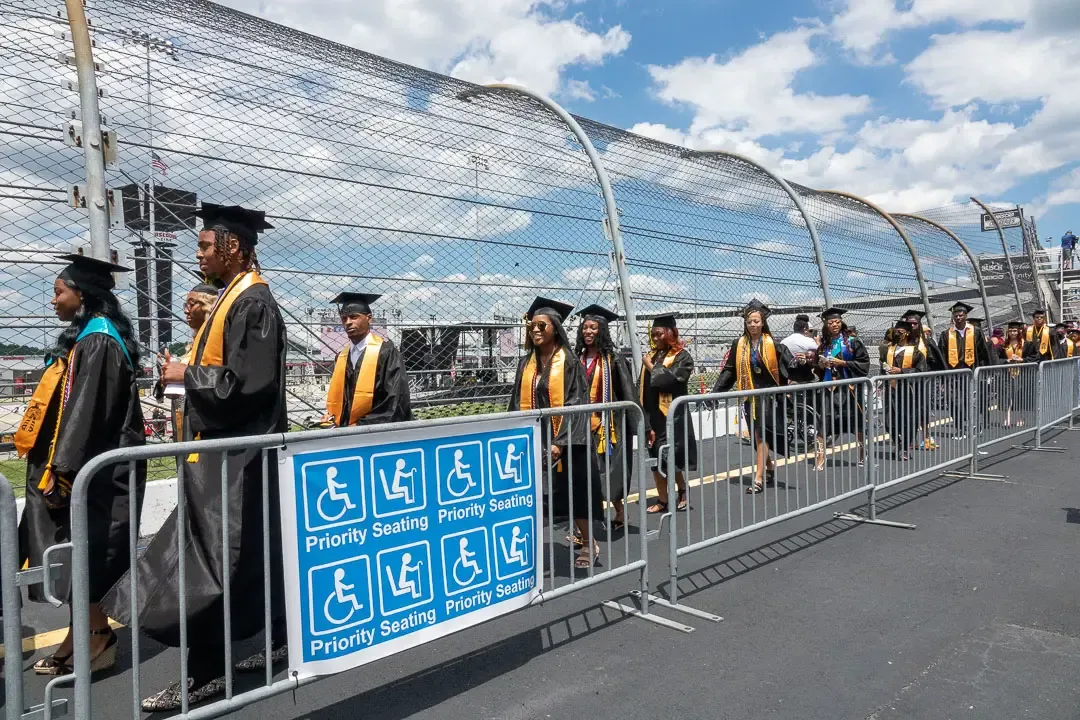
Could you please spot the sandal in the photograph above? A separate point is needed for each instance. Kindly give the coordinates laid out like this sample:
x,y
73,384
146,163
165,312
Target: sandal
x,y
63,665
618,524
682,505
770,476
54,665
656,508
576,540
755,489
582,561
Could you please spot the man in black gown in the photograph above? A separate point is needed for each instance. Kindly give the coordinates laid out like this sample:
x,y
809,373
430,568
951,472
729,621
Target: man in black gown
x,y
369,384
962,346
234,386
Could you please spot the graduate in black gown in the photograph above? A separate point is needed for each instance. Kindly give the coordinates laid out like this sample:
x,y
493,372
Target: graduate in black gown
x,y
86,403
962,346
665,376
369,384
840,357
549,376
234,386
1017,394
903,357
609,379
924,341
1040,341
754,362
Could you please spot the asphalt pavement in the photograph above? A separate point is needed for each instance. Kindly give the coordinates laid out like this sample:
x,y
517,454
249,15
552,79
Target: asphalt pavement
x,y
971,614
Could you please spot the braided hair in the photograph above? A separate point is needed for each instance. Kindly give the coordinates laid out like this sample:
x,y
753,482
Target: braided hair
x,y
222,235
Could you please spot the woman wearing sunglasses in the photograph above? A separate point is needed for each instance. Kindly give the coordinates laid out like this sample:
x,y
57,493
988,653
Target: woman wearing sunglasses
x,y
550,376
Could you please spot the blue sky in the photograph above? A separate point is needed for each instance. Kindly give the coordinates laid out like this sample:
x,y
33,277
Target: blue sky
x,y
913,103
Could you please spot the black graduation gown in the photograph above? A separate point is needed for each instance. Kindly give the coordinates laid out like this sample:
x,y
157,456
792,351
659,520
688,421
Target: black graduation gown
x,y
103,413
674,380
245,396
574,437
621,461
934,358
767,416
902,402
392,402
1016,393
982,351
843,411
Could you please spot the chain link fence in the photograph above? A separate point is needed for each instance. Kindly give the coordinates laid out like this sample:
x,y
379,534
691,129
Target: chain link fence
x,y
456,206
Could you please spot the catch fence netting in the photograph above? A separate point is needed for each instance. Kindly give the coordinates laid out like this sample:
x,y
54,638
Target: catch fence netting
x,y
456,205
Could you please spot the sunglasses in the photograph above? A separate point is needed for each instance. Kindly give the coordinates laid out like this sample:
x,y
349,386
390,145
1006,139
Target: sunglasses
x,y
538,325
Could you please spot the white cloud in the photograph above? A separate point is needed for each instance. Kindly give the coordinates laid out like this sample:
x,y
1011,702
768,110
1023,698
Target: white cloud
x,y
524,41
423,261
753,92
579,90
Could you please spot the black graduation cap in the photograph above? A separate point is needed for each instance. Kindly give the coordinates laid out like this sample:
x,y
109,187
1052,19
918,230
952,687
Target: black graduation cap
x,y
904,325
1059,325
833,312
961,307
1017,324
756,306
914,313
597,312
245,224
351,302
87,272
975,320
664,321
1038,311
560,309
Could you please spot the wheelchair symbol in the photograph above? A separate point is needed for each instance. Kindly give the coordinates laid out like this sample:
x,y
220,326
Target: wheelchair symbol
x,y
343,595
466,561
460,468
335,491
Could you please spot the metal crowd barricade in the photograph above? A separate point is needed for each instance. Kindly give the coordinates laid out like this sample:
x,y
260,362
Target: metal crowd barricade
x,y
1058,381
618,561
795,416
11,579
924,423
1012,395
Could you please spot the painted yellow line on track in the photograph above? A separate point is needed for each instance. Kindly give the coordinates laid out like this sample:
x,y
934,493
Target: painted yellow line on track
x,y
48,639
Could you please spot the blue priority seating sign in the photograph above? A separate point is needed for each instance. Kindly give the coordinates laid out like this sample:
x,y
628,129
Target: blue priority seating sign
x,y
393,539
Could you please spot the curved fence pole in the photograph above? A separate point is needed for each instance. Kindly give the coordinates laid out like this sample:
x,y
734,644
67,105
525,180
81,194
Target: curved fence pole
x,y
1008,258
907,241
818,254
93,150
605,189
967,251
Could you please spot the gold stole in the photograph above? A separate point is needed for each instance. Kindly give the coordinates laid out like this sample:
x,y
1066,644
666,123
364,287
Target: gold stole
x,y
208,347
663,399
555,386
364,392
1011,352
1044,338
57,376
599,392
1071,348
905,361
969,346
744,370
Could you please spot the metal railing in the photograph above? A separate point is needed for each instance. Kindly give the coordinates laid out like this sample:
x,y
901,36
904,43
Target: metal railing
x,y
618,557
1058,383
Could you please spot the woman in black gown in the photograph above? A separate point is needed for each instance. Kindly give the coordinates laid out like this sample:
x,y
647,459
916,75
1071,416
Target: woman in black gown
x,y
902,357
840,357
86,403
549,376
754,362
608,378
1013,397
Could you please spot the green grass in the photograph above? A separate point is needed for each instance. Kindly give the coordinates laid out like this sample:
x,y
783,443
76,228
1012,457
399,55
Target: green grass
x,y
15,472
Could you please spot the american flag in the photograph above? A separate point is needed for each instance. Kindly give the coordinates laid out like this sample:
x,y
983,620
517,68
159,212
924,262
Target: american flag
x,y
157,163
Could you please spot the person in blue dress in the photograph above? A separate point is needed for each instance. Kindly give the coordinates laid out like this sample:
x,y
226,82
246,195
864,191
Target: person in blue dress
x,y
840,357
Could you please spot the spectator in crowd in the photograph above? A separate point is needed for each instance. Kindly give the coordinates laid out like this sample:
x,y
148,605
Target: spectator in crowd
x,y
86,403
756,361
803,348
840,357
197,305
609,379
1016,397
369,384
549,376
1040,343
665,375
1068,248
903,357
233,386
